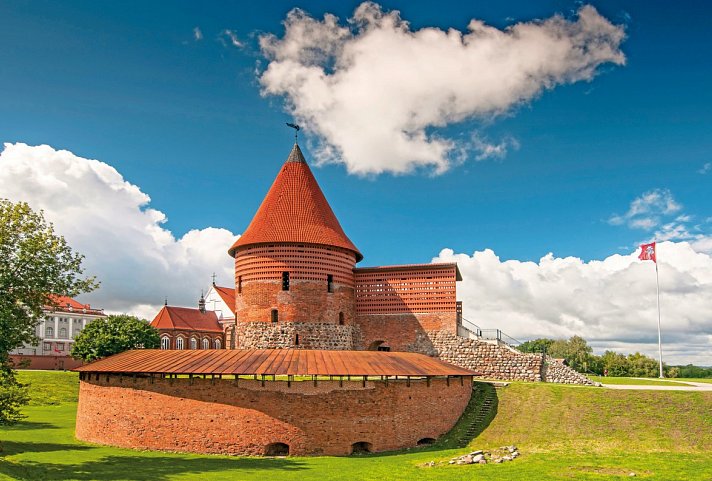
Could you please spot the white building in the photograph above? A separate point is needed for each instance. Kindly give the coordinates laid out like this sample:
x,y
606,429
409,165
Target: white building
x,y
59,327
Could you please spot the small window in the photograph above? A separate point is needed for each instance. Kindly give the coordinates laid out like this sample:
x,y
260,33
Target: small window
x,y
239,284
180,343
63,332
330,283
285,281
218,344
206,343
165,343
426,441
193,343
47,346
60,346
296,339
49,331
275,315
341,318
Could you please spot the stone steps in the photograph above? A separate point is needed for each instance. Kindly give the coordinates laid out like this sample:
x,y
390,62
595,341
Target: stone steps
x,y
488,396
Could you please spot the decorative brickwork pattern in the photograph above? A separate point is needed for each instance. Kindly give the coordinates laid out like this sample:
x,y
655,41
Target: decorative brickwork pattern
x,y
406,289
205,416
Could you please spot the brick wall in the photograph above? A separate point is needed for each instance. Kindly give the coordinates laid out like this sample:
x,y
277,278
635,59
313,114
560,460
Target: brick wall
x,y
58,363
404,331
219,417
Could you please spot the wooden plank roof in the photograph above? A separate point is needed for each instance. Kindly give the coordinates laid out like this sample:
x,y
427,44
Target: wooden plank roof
x,y
278,362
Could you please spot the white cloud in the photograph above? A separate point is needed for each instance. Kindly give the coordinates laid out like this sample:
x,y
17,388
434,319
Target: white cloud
x,y
645,212
705,168
486,149
611,302
372,92
197,34
109,220
232,38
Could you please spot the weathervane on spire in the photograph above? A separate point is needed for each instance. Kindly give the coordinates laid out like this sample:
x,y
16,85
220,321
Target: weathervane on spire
x,y
296,128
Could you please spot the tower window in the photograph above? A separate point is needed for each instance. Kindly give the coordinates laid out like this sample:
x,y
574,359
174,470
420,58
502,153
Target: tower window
x,y
341,318
285,281
275,315
329,283
239,284
296,339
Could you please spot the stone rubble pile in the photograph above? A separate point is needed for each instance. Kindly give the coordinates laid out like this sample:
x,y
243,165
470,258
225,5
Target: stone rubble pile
x,y
496,456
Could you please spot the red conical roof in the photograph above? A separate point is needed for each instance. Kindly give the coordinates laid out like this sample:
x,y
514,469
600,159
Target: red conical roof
x,y
295,210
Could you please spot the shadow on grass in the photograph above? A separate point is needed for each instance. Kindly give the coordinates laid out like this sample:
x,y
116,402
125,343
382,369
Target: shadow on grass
x,y
28,426
156,468
10,448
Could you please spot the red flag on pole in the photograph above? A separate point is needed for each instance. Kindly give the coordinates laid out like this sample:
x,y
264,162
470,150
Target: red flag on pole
x,y
647,252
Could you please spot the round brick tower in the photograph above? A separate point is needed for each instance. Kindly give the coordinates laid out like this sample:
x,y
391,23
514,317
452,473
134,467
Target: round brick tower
x,y
294,281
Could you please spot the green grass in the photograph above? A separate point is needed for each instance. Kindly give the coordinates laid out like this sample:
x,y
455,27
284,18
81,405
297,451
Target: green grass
x,y
637,381
50,387
695,379
563,433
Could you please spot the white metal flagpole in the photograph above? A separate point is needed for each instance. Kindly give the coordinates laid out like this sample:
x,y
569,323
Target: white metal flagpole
x,y
660,342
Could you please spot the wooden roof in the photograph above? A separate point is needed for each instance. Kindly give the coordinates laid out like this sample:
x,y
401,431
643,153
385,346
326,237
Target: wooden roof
x,y
295,210
279,362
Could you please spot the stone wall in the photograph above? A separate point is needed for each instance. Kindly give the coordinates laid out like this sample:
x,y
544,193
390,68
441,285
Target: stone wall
x,y
488,359
557,371
295,335
205,416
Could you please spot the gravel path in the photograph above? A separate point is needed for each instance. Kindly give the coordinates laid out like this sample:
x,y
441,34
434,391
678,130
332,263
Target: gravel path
x,y
691,386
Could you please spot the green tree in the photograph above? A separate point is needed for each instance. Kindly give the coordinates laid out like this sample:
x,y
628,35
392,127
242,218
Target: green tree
x,y
112,335
536,345
36,264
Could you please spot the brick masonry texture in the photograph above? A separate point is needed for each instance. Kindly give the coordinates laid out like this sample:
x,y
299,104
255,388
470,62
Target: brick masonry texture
x,y
205,416
404,332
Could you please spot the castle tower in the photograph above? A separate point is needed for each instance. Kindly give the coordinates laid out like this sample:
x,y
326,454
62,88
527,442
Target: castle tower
x,y
294,280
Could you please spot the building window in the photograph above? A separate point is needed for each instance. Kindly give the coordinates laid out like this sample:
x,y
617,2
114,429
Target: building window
x,y
218,344
49,331
193,343
239,284
47,346
206,343
63,332
296,339
285,281
180,343
165,342
275,315
329,283
60,346
341,318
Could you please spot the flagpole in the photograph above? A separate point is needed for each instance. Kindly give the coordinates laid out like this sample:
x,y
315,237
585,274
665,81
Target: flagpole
x,y
660,342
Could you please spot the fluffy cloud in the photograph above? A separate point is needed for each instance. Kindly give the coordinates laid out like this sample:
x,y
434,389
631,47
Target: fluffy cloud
x,y
108,220
611,302
372,94
646,211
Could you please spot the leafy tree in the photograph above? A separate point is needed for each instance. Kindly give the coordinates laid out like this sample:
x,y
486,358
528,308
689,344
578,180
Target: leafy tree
x,y
536,345
36,265
112,335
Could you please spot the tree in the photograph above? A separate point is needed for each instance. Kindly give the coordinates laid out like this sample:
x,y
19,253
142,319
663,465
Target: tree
x,y
36,266
536,345
112,335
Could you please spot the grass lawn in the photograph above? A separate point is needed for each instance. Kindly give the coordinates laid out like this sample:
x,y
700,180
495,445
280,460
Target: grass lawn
x,y
695,379
638,381
563,433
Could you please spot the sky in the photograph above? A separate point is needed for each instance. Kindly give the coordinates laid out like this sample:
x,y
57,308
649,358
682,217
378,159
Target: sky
x,y
535,143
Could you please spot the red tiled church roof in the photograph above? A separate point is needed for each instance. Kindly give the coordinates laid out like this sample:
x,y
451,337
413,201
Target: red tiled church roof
x,y
295,210
186,319
227,294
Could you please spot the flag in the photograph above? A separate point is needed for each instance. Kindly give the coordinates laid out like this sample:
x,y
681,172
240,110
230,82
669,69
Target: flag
x,y
647,252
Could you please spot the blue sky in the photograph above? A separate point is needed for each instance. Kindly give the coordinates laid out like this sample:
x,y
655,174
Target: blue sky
x,y
181,115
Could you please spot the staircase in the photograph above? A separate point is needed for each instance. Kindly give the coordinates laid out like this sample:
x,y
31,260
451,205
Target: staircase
x,y
479,412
